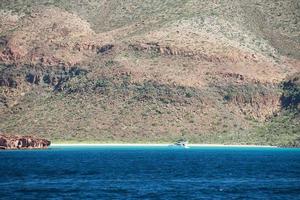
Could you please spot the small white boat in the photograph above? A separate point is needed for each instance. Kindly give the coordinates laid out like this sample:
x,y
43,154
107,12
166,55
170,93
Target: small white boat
x,y
181,143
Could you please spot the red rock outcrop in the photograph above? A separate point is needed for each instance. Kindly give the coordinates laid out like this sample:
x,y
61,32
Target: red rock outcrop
x,y
167,50
22,142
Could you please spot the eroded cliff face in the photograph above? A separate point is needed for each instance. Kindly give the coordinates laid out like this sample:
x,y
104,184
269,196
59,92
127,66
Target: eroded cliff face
x,y
23,142
259,106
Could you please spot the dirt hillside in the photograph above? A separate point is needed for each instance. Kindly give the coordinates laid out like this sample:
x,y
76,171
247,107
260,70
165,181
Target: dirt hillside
x,y
151,71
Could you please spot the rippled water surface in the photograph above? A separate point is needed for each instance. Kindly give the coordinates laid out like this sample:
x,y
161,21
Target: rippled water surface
x,y
150,173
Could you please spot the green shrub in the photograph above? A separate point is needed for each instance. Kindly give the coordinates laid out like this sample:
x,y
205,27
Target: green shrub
x,y
291,92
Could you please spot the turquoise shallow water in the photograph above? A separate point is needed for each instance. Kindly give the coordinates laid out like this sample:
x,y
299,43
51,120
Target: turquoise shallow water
x,y
150,173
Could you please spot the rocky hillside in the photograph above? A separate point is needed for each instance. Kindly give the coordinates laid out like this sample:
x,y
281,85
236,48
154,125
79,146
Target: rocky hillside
x,y
151,71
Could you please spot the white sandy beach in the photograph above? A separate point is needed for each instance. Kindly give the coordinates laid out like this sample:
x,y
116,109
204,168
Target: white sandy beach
x,y
153,145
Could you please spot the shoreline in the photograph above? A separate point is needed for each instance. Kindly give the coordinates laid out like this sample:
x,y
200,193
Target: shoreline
x,y
150,145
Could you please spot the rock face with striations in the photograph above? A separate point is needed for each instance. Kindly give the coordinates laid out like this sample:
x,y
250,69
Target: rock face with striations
x,y
22,142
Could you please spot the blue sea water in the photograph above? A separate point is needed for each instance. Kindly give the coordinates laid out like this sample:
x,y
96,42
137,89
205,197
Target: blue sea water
x,y
150,173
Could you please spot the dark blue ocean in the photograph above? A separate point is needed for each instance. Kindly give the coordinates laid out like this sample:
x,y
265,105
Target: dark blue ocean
x,y
150,173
